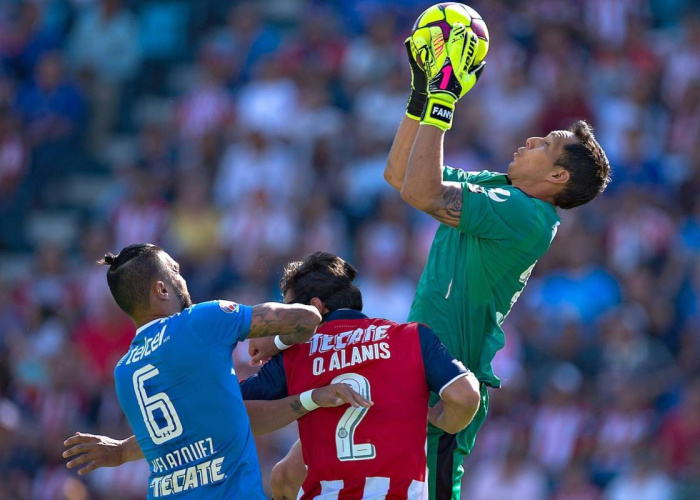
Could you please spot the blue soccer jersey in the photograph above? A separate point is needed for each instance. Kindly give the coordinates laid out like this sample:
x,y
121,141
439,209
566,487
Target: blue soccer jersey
x,y
177,387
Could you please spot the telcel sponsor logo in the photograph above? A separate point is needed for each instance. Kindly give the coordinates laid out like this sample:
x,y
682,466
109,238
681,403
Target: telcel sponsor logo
x,y
150,345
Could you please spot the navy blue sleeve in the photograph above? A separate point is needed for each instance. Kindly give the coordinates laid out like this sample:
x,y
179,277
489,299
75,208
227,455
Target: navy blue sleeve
x,y
441,368
268,384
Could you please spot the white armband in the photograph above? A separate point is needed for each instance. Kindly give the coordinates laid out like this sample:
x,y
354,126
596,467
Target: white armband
x,y
307,401
280,345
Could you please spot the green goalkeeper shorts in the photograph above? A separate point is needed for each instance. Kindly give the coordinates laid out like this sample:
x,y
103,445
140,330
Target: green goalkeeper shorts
x,y
446,452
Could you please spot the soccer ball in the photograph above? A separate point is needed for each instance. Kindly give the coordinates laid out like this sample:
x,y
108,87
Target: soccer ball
x,y
445,15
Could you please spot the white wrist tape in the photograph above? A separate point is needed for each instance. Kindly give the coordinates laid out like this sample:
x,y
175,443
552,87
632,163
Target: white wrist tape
x,y
307,401
281,345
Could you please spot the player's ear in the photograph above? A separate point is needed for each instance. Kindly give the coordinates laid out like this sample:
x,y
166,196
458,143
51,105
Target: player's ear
x,y
318,304
161,290
559,175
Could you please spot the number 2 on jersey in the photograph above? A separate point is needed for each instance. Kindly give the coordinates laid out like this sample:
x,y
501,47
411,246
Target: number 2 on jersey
x,y
157,402
345,431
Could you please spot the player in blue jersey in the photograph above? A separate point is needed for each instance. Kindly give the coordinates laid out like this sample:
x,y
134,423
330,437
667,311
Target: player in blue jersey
x,y
330,278
176,383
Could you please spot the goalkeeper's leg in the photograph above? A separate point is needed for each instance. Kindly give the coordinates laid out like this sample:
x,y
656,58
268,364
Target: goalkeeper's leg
x,y
288,475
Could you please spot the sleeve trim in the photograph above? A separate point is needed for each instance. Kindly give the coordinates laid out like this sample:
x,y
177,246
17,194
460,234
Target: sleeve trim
x,y
247,319
452,381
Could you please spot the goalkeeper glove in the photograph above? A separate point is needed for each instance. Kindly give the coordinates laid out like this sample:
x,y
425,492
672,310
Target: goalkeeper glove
x,y
455,78
419,85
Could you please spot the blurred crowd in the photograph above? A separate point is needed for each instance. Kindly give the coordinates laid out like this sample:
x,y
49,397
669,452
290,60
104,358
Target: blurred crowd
x,y
240,136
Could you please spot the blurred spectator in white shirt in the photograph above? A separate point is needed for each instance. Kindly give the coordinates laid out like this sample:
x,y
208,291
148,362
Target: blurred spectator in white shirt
x,y
257,162
561,420
104,48
371,57
141,216
269,103
506,479
644,481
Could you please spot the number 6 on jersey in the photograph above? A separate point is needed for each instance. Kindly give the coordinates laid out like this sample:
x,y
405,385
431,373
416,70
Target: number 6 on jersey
x,y
345,431
157,402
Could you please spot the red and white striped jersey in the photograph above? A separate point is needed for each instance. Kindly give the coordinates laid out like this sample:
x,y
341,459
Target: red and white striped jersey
x,y
380,452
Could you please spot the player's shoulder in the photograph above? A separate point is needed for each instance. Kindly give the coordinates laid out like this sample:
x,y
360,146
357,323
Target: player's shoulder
x,y
538,219
537,216
499,189
425,336
412,328
211,307
389,327
502,192
487,178
546,212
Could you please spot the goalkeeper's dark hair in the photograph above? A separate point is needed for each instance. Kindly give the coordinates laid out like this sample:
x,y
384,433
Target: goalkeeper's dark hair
x,y
323,275
131,274
588,167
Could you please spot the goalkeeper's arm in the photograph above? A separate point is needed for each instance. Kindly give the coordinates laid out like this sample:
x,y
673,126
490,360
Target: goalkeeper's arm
x,y
397,162
423,186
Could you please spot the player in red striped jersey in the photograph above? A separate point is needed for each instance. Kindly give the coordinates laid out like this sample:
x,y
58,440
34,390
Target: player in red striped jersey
x,y
357,453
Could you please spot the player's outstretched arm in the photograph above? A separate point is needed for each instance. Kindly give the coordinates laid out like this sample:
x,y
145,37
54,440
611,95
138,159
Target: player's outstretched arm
x,y
423,186
396,164
268,416
458,404
295,322
93,452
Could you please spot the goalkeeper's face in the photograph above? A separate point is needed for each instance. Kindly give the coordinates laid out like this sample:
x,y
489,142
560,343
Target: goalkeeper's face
x,y
535,162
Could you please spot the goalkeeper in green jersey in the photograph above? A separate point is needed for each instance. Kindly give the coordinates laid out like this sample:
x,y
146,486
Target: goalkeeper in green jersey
x,y
494,227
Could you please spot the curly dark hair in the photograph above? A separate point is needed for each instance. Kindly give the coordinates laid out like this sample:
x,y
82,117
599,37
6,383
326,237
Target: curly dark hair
x,y
323,275
588,168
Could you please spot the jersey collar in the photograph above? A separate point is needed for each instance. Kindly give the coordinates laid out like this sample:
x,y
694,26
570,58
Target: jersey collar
x,y
143,327
344,314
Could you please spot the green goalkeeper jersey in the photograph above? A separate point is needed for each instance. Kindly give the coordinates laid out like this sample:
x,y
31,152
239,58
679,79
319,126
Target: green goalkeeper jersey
x,y
476,272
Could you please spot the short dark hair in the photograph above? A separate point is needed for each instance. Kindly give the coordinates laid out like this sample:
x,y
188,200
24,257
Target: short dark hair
x,y
323,275
588,167
131,274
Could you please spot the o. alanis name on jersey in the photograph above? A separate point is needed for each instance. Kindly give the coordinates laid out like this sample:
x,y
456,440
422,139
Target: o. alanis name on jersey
x,y
341,358
192,477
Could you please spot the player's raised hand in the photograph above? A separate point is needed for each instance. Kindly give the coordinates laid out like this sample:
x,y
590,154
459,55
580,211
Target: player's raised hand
x,y
455,77
339,394
461,51
419,83
93,452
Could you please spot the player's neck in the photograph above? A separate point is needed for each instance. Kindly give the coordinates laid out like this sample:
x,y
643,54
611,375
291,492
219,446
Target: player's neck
x,y
144,320
148,316
536,191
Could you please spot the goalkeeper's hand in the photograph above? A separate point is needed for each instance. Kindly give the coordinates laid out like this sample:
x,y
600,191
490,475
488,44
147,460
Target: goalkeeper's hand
x,y
455,77
419,84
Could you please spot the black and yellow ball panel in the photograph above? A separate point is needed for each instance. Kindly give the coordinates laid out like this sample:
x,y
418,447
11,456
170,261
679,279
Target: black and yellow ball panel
x,y
446,14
